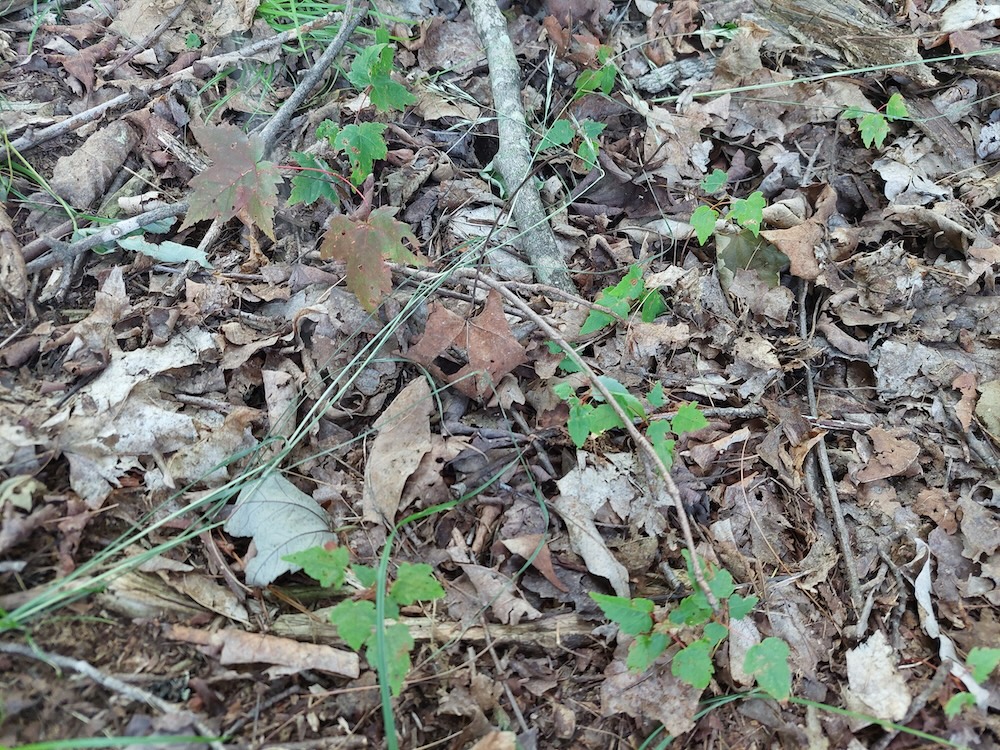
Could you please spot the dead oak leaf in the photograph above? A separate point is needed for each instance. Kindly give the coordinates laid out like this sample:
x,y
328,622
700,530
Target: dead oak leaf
x,y
489,347
81,65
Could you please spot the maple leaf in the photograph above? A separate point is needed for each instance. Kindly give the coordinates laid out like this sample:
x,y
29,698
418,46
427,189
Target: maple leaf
x,y
239,184
372,69
365,246
489,345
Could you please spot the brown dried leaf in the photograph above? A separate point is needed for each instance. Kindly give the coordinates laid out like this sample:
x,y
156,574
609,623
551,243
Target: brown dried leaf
x,y
489,346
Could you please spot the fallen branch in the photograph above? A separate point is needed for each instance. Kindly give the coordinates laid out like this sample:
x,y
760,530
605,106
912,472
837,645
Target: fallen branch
x,y
141,90
513,158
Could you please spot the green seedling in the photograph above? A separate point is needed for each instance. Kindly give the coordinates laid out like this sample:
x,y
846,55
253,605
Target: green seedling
x,y
356,620
874,126
621,299
767,661
602,79
590,416
981,663
562,133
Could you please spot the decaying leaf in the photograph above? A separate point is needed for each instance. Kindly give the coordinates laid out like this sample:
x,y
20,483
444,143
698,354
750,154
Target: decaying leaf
x,y
282,519
404,436
366,246
489,347
239,184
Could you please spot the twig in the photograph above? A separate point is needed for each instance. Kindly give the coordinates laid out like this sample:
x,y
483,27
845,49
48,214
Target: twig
x,y
312,78
638,438
843,535
918,703
142,89
149,39
132,692
280,118
62,252
514,157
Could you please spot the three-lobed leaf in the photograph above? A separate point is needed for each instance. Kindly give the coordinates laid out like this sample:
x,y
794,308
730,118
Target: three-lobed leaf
x,y
873,128
399,644
326,564
366,246
703,220
372,70
748,212
768,662
693,664
415,583
689,418
313,182
363,144
633,616
714,182
645,650
355,622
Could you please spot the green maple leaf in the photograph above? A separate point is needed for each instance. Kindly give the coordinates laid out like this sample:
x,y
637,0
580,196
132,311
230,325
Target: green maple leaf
x,y
559,134
693,664
239,184
688,419
365,246
355,622
895,108
748,212
874,129
703,220
644,651
714,182
372,69
399,644
363,144
313,183
634,616
327,566
768,662
415,583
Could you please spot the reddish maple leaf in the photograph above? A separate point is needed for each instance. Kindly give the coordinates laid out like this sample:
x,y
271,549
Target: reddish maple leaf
x,y
239,184
365,246
489,345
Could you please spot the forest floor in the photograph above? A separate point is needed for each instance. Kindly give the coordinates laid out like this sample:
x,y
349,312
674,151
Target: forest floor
x,y
777,220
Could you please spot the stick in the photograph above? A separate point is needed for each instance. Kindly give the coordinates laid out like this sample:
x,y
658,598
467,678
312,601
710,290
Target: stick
x,y
514,157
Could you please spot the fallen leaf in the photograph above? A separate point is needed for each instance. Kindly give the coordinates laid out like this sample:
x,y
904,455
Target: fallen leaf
x,y
875,687
404,436
282,519
490,349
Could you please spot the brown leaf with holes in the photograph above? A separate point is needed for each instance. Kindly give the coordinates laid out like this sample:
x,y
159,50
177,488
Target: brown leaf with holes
x,y
485,343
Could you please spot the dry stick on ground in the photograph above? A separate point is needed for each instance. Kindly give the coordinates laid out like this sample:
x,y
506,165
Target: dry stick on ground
x,y
473,276
311,79
131,692
63,252
66,252
843,536
165,24
143,89
514,155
